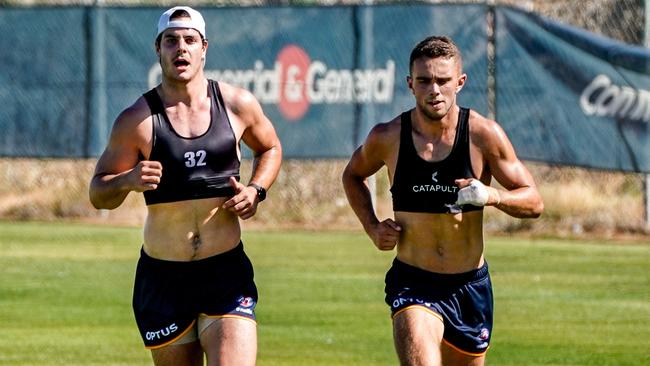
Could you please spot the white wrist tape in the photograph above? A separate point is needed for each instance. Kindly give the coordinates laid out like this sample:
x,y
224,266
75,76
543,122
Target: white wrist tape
x,y
474,194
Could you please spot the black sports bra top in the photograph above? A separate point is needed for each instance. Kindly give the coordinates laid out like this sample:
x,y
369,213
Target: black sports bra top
x,y
196,167
423,186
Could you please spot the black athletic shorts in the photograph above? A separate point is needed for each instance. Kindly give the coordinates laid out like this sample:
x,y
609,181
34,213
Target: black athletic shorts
x,y
462,301
168,296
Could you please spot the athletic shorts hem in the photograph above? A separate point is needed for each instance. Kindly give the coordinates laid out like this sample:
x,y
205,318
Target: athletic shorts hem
x,y
230,316
474,354
171,341
422,307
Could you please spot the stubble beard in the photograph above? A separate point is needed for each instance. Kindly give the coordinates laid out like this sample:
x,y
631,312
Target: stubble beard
x,y
426,110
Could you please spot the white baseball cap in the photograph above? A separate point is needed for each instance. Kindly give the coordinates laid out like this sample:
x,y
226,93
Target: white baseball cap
x,y
196,20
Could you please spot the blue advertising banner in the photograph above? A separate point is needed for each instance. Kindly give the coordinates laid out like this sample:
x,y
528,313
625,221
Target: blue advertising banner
x,y
570,97
324,75
43,89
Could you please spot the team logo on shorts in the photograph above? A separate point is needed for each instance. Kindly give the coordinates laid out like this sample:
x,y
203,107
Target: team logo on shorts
x,y
484,335
246,302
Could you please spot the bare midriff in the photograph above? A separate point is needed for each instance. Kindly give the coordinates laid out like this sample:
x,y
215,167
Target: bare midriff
x,y
190,230
441,243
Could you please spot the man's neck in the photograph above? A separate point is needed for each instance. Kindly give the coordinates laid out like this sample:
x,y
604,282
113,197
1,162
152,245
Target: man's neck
x,y
427,126
187,92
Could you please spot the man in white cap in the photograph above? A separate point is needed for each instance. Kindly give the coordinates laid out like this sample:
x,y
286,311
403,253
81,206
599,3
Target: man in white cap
x,y
194,292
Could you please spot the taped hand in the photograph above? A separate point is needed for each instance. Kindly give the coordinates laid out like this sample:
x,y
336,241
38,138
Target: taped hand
x,y
475,194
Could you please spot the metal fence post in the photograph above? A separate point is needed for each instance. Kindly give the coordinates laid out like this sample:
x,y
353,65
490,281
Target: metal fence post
x,y
646,43
96,124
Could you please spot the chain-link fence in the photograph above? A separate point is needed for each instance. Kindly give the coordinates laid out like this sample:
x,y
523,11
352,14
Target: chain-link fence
x,y
308,193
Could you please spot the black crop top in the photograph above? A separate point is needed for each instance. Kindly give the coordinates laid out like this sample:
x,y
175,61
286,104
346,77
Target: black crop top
x,y
196,167
422,186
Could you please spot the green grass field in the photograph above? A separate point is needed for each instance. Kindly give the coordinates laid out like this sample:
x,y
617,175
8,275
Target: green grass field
x,y
65,294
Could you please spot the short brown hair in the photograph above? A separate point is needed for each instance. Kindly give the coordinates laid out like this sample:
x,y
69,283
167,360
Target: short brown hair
x,y
434,47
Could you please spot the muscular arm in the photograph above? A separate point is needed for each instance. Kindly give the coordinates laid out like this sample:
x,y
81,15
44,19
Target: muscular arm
x,y
118,169
260,136
366,161
355,183
520,197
